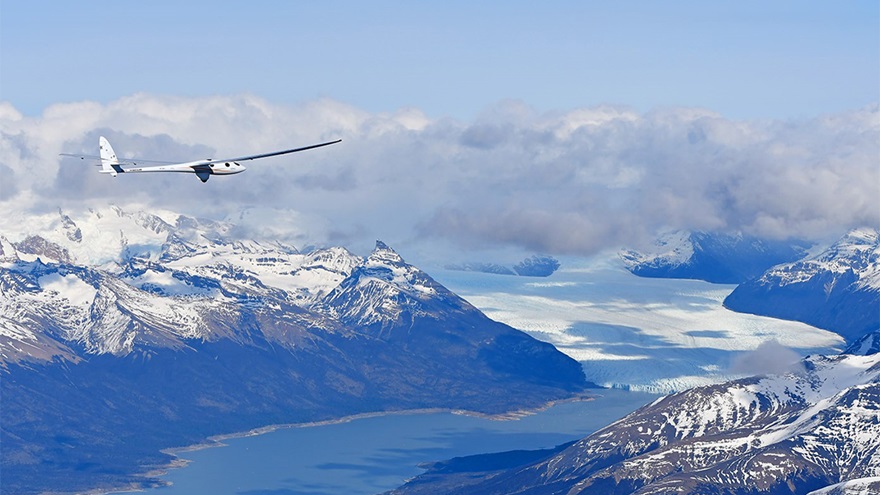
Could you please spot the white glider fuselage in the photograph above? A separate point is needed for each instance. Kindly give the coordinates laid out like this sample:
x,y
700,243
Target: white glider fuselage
x,y
204,169
214,168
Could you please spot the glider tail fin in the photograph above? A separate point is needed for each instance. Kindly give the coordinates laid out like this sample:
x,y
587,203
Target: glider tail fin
x,y
108,157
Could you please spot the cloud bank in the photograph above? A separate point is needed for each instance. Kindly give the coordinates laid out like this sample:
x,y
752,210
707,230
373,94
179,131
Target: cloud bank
x,y
567,182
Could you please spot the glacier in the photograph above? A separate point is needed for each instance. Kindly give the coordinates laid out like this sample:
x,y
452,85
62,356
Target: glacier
x,y
646,334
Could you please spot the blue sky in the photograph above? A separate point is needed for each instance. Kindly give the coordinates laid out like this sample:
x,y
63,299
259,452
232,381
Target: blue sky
x,y
561,127
750,59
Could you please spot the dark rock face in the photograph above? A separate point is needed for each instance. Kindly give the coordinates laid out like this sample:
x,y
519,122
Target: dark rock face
x,y
114,367
41,247
787,434
838,290
534,266
867,345
713,257
493,268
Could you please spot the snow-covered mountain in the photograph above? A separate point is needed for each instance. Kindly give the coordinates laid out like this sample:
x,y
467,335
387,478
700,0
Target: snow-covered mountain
x,y
837,289
126,280
384,292
779,434
124,333
713,257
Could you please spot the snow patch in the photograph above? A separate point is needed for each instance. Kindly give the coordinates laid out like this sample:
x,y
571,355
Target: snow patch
x,y
69,287
166,283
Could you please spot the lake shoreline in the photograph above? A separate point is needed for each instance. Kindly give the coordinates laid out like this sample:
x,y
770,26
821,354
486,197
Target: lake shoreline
x,y
153,476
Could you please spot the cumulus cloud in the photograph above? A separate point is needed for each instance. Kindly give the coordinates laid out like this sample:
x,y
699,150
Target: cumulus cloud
x,y
573,182
8,186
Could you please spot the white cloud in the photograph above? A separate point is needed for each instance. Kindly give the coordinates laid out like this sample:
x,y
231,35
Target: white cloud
x,y
562,182
769,358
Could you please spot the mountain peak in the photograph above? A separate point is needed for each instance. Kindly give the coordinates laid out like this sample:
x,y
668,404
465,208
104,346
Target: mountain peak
x,y
384,290
384,255
868,236
712,256
7,250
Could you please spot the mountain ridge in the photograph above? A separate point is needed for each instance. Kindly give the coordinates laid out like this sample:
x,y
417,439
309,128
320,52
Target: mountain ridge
x,y
710,256
165,333
780,434
837,289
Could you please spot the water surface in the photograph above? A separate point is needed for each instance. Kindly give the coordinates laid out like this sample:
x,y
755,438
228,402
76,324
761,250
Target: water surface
x,y
376,454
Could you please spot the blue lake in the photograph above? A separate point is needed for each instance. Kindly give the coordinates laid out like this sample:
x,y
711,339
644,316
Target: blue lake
x,y
375,454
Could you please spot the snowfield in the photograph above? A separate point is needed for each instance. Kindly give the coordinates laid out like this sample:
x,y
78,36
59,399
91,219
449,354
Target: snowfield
x,y
654,335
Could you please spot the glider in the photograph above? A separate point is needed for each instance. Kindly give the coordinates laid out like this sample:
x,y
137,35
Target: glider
x,y
203,169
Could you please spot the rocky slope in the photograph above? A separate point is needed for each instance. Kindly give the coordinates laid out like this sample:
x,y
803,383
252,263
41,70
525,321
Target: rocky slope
x,y
713,257
789,434
122,334
837,289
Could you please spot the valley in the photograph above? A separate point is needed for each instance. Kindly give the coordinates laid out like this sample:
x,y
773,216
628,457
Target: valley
x,y
174,331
